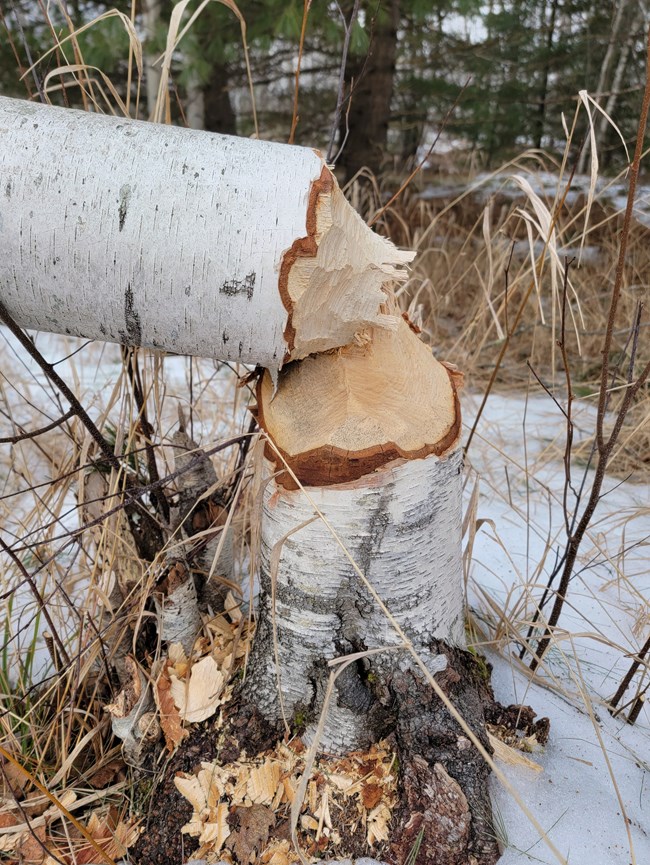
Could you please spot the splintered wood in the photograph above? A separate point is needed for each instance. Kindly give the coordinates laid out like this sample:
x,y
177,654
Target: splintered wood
x,y
340,415
344,796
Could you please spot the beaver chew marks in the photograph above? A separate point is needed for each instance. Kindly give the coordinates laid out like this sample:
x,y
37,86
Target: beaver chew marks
x,y
339,415
333,281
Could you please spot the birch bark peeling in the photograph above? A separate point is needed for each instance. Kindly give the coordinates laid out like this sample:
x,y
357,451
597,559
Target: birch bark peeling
x,y
181,240
384,399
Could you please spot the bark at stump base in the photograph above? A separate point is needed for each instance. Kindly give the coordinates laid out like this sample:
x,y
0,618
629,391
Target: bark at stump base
x,y
443,780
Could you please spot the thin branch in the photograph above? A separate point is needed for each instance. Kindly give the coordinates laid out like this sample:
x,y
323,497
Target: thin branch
x,y
627,679
341,85
56,379
133,372
296,91
13,440
128,499
37,595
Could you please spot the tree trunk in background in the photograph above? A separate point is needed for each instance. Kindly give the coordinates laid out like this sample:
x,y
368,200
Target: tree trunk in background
x,y
366,124
219,113
150,18
195,104
617,80
543,94
614,42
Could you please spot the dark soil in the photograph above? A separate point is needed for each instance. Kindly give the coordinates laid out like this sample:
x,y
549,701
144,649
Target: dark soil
x,y
161,842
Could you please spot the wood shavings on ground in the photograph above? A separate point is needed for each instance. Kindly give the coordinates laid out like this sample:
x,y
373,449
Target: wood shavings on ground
x,y
241,810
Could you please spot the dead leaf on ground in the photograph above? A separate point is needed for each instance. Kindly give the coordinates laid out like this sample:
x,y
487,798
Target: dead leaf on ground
x,y
254,826
170,719
106,774
30,848
112,834
371,795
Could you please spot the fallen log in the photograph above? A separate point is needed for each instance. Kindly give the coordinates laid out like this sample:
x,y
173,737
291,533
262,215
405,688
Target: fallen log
x,y
180,240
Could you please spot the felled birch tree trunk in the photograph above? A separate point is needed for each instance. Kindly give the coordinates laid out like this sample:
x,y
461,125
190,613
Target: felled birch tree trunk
x,y
181,240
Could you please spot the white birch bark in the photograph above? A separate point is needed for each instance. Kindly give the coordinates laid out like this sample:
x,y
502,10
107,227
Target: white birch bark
x,y
402,525
180,240
612,45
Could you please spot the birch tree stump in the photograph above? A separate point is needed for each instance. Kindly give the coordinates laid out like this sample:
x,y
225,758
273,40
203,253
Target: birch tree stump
x,y
181,240
371,433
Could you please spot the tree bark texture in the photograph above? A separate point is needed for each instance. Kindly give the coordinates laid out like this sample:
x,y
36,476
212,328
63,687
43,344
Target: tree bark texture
x,y
401,526
181,240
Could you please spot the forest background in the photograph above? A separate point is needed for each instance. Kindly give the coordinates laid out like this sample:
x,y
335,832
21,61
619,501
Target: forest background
x,y
519,64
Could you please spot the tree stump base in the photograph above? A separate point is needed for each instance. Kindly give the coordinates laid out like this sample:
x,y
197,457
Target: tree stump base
x,y
442,814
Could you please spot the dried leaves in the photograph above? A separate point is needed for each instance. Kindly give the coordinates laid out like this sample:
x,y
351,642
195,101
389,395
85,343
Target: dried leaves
x,y
186,690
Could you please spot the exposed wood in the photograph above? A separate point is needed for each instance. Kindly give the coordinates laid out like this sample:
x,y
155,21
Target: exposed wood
x,y
181,240
339,415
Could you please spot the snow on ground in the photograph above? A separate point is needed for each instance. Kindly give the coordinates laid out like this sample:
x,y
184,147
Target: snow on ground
x,y
593,796
611,191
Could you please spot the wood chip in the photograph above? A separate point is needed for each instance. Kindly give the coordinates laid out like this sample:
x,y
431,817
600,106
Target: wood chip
x,y
509,755
198,698
263,782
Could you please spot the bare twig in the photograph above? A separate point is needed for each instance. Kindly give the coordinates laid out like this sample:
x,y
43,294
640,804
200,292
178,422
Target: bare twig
x,y
133,371
296,91
38,597
13,440
56,379
129,498
348,25
627,679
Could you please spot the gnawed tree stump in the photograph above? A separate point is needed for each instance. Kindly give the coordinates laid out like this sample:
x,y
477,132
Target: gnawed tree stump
x,y
346,424
363,456
371,432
